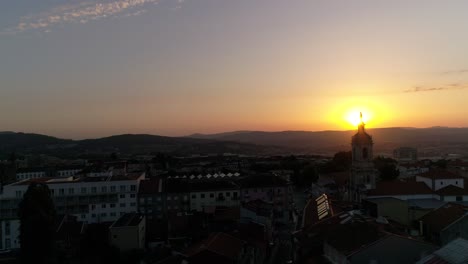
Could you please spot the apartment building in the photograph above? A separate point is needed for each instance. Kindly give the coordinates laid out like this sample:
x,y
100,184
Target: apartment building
x,y
90,199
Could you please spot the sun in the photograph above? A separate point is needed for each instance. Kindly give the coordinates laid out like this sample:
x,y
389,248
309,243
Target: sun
x,y
353,117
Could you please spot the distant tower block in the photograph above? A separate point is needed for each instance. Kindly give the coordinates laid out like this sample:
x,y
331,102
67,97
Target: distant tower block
x,y
363,172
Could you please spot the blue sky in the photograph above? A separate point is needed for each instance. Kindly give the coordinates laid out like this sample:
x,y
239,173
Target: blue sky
x,y
81,69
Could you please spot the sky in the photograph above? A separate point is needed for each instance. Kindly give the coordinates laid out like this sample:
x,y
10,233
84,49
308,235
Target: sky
x,y
86,69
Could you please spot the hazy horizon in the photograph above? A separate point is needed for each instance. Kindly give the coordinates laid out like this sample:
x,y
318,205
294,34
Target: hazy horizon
x,y
216,132
82,69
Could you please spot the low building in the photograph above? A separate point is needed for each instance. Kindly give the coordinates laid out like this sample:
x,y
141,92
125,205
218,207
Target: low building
x,y
128,232
445,224
205,196
405,154
268,188
402,190
437,179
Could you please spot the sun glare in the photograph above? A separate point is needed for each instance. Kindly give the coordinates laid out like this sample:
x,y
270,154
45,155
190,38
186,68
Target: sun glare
x,y
353,116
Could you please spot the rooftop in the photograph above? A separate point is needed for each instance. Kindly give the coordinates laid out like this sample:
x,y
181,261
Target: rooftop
x,y
399,188
453,252
261,181
212,186
452,190
440,218
131,219
219,243
440,174
409,251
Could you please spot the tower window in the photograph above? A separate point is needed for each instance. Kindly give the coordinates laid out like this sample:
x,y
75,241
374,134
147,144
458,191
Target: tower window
x,y
365,153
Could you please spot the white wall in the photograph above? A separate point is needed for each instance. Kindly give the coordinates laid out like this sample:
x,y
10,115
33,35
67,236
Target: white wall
x,y
13,235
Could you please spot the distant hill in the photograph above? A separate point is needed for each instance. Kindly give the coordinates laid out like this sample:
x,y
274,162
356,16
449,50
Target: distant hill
x,y
12,140
385,139
131,144
429,141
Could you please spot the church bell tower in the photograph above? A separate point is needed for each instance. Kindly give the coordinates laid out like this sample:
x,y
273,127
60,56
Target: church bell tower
x,y
363,172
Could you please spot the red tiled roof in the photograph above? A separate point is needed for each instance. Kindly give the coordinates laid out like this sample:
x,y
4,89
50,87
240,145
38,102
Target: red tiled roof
x,y
219,243
440,218
399,188
439,174
452,190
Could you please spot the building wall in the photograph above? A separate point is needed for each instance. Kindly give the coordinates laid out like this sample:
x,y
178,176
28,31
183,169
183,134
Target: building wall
x,y
455,230
92,202
9,234
441,183
396,210
203,199
128,237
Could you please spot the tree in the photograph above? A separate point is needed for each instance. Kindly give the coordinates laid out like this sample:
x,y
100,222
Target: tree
x,y
341,162
387,168
309,174
389,172
37,216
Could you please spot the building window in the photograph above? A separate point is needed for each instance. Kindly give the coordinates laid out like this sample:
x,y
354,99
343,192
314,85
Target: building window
x,y
61,191
459,198
83,216
83,189
133,188
103,206
104,189
132,195
228,194
122,205
18,194
104,214
122,188
211,195
113,214
71,190
7,228
93,189
132,204
113,189
122,196
7,243
112,205
93,215
194,196
202,195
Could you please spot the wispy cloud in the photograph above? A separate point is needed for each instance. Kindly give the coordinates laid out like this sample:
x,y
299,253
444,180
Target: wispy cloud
x,y
449,87
81,13
462,71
